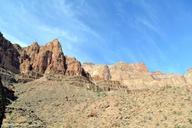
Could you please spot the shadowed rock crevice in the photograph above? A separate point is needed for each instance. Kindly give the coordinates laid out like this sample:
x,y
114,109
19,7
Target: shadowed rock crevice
x,y
6,97
9,55
2,102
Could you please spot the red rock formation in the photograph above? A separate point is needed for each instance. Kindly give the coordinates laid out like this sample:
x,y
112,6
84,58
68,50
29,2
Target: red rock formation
x,y
73,67
49,59
45,59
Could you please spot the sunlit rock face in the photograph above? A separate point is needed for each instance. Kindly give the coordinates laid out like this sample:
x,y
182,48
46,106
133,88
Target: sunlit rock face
x,y
50,59
97,72
73,67
124,71
134,76
47,59
44,59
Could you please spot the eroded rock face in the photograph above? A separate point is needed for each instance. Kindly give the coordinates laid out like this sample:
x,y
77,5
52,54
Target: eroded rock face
x,y
9,56
134,76
49,59
36,59
124,71
117,72
73,67
45,59
98,72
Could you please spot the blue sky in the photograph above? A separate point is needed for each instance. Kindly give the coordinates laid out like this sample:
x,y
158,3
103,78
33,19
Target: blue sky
x,y
155,32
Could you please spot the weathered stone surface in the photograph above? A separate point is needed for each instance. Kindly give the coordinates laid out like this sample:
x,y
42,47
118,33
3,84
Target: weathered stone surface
x,y
73,67
49,59
36,59
45,59
135,76
97,72
9,56
124,71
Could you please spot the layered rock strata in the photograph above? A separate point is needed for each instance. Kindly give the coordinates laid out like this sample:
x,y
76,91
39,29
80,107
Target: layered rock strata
x,y
136,76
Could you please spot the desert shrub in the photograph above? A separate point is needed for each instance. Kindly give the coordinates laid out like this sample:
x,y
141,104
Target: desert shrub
x,y
190,121
100,92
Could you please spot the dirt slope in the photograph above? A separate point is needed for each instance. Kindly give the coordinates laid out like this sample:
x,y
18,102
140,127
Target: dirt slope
x,y
65,103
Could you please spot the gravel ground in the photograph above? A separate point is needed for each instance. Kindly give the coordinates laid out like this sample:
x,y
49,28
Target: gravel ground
x,y
64,104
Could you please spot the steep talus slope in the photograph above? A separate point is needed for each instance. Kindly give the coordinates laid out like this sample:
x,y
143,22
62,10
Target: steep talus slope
x,y
64,103
162,107
43,102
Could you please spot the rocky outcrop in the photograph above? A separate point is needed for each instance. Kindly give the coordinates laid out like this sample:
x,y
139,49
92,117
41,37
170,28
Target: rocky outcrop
x,y
123,71
73,67
135,76
45,59
9,56
49,59
35,60
97,72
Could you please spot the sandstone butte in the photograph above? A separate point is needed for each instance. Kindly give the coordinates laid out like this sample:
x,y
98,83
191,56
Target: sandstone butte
x,y
50,59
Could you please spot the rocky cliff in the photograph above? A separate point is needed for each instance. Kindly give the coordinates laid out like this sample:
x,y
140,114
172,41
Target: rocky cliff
x,y
9,56
97,72
135,76
36,60
43,59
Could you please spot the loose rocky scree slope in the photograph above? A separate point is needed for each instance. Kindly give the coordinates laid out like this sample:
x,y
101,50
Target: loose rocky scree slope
x,y
66,102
